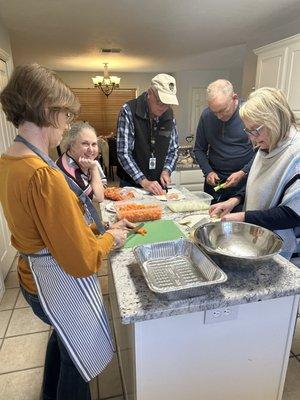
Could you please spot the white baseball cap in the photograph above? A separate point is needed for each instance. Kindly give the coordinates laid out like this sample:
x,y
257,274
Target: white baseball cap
x,y
166,88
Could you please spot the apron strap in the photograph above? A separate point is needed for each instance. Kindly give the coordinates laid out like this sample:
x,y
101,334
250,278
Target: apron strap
x,y
72,184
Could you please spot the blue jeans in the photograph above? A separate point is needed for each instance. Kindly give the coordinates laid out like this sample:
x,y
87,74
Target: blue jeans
x,y
62,381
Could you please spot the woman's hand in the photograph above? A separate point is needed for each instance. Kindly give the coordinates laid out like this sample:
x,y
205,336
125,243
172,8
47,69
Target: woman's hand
x,y
122,224
238,217
119,236
86,164
234,179
223,208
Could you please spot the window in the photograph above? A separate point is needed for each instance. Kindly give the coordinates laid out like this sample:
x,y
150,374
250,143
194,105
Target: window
x,y
100,111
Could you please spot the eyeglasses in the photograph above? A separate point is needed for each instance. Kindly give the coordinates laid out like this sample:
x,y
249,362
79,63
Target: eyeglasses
x,y
253,132
70,116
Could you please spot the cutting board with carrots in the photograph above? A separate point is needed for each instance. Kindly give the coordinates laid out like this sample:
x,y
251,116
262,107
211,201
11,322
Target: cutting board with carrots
x,y
157,231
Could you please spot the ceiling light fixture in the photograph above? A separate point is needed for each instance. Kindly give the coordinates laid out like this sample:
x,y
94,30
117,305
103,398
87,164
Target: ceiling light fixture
x,y
106,83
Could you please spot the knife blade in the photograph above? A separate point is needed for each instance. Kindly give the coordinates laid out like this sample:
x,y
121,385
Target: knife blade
x,y
135,229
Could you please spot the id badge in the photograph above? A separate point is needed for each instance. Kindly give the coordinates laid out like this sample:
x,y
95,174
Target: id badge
x,y
152,162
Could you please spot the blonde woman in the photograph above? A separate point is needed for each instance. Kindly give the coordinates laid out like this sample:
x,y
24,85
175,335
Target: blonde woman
x,y
272,196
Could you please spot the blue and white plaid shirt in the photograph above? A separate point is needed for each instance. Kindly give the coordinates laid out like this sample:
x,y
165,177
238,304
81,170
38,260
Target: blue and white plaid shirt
x,y
125,145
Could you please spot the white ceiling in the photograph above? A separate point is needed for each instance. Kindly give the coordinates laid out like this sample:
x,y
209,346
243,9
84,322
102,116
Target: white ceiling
x,y
154,35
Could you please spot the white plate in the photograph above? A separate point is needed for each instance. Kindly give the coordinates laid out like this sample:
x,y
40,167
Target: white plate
x,y
110,207
166,197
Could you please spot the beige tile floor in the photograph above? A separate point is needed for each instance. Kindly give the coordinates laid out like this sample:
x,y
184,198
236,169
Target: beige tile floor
x,y
23,340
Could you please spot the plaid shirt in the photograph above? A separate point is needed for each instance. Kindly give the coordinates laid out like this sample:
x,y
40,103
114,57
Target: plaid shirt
x,y
125,146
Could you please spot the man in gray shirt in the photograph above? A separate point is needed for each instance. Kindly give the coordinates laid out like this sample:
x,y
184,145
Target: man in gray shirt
x,y
222,149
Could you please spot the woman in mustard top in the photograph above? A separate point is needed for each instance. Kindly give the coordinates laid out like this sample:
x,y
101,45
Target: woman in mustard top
x,y
60,252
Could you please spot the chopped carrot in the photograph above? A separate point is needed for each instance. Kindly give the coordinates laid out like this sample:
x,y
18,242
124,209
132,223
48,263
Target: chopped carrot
x,y
139,212
142,231
172,196
117,194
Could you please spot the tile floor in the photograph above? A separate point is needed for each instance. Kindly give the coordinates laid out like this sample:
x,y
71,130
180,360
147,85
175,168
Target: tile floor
x,y
23,340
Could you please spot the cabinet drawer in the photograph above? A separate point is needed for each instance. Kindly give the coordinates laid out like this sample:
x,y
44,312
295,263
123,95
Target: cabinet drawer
x,y
193,176
194,187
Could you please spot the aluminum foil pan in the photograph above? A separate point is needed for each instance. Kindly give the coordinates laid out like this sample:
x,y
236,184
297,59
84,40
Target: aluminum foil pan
x,y
177,269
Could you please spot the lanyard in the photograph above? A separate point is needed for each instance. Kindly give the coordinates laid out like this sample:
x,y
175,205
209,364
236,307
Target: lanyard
x,y
153,130
73,185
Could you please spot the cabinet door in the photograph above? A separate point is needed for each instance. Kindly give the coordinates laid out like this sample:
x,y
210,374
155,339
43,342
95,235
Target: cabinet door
x,y
292,85
198,105
270,68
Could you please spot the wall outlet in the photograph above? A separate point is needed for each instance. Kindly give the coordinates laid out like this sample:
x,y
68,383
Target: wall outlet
x,y
221,315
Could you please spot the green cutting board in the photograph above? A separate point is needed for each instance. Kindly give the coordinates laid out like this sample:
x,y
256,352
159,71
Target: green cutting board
x,y
157,231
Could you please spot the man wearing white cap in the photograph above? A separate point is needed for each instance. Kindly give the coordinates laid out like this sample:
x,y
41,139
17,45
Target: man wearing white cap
x,y
147,138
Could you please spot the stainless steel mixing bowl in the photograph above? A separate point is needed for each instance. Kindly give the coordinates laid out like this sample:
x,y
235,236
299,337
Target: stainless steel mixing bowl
x,y
237,243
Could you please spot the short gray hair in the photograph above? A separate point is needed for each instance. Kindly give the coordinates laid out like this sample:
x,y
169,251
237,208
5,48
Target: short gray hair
x,y
74,131
219,86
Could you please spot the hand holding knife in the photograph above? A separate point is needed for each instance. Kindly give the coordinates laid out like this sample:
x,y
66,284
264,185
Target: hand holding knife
x,y
135,229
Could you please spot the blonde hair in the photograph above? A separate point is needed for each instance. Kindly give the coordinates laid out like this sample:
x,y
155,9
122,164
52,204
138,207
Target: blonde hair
x,y
36,94
268,106
219,86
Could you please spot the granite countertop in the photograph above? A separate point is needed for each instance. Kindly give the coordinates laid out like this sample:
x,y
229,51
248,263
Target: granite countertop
x,y
137,303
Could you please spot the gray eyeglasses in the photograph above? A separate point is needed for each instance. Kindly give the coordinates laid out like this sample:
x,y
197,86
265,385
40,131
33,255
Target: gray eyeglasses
x,y
253,132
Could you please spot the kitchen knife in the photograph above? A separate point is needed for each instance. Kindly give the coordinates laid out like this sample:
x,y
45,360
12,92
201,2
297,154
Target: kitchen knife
x,y
134,230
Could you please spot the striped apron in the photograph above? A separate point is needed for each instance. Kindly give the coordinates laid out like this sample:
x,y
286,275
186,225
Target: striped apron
x,y
73,305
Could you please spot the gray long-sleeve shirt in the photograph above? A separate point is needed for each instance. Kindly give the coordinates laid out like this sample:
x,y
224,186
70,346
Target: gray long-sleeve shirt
x,y
222,147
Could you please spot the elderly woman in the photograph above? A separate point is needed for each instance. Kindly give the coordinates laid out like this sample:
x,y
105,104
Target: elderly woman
x,y
60,253
79,161
272,196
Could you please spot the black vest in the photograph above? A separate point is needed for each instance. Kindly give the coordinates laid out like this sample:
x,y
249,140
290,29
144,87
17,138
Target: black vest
x,y
161,132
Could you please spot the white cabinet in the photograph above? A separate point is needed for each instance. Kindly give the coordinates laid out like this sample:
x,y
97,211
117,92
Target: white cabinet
x,y
292,83
278,65
192,179
269,68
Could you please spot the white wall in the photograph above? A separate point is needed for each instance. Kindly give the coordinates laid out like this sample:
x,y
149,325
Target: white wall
x,y
249,72
186,80
4,39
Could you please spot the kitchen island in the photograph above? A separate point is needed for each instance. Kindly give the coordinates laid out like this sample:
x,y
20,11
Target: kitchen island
x,y
231,343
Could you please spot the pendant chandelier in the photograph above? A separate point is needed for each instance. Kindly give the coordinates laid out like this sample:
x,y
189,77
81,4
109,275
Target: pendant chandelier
x,y
106,83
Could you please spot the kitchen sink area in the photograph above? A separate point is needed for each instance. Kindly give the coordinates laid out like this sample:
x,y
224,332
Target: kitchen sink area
x,y
188,172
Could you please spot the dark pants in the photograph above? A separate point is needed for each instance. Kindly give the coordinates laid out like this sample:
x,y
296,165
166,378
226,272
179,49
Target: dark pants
x,y
62,381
